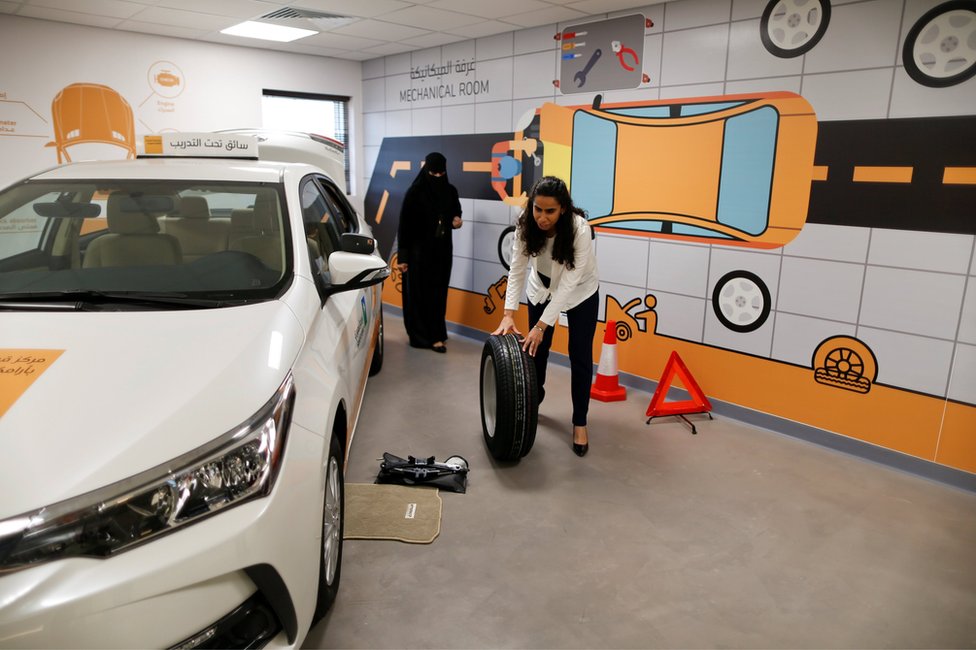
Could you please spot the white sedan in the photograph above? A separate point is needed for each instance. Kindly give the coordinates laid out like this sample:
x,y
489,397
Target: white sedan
x,y
184,347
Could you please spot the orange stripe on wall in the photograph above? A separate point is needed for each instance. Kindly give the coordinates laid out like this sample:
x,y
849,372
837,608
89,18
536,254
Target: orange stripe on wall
x,y
959,176
883,174
820,172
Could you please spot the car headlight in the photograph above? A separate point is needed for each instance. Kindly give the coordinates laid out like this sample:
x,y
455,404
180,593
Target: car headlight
x,y
238,466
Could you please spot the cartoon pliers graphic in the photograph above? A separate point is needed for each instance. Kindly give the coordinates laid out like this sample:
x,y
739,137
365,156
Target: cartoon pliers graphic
x,y
619,49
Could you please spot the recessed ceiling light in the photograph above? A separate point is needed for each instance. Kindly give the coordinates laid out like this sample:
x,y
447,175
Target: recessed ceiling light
x,y
265,31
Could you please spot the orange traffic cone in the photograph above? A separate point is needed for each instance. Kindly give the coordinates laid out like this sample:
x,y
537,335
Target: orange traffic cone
x,y
606,388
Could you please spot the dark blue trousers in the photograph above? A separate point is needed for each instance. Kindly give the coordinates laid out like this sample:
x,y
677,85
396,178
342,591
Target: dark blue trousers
x,y
582,326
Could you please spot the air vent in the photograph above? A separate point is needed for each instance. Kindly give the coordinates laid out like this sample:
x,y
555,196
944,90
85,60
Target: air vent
x,y
295,16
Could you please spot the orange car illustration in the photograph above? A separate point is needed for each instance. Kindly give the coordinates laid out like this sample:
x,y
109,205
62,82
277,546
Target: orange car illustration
x,y
732,170
167,78
87,113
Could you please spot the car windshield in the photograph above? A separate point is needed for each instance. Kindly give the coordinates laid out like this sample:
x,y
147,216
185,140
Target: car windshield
x,y
206,243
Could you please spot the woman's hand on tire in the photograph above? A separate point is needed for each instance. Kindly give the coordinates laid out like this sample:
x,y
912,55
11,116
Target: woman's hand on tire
x,y
506,326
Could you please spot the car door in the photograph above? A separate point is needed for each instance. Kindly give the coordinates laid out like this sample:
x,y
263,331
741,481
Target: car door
x,y
342,332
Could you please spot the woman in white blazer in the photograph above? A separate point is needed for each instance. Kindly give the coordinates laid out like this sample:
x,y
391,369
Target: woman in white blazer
x,y
553,254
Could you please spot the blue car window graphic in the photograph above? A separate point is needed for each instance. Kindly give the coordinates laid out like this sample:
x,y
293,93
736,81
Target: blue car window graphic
x,y
748,154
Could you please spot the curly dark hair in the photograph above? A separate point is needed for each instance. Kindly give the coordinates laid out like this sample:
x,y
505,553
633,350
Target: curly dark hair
x,y
534,237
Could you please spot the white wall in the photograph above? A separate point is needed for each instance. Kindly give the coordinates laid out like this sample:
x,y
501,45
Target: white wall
x,y
221,85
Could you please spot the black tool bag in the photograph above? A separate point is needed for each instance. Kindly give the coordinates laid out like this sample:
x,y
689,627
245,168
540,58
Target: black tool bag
x,y
450,475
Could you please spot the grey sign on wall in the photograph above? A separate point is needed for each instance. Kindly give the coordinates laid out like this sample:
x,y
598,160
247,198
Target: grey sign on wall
x,y
602,55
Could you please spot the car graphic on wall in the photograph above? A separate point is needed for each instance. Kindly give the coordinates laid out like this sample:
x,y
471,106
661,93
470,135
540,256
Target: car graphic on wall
x,y
733,170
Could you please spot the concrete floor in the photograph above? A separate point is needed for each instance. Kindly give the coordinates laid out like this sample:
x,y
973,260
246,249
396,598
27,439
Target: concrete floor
x,y
733,538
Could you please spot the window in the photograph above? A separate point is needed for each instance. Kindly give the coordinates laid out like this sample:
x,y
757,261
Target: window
x,y
326,115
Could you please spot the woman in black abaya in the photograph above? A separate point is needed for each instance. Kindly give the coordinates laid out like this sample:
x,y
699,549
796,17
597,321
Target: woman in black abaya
x,y
431,212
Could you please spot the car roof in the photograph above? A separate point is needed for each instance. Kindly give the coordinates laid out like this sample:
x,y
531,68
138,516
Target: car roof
x,y
202,169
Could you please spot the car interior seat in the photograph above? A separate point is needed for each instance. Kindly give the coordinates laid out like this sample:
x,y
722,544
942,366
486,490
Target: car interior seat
x,y
199,235
265,242
133,238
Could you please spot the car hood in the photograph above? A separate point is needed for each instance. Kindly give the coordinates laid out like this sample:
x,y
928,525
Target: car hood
x,y
128,391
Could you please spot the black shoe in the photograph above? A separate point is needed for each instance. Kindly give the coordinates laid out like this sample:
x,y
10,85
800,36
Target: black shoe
x,y
580,449
439,348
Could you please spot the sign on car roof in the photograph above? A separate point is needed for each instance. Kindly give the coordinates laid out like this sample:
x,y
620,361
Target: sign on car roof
x,y
201,145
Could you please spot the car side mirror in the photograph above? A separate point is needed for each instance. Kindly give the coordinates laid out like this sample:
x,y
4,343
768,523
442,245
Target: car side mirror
x,y
351,242
350,271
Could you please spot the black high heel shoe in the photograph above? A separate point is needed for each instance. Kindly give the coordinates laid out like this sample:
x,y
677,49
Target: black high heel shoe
x,y
580,449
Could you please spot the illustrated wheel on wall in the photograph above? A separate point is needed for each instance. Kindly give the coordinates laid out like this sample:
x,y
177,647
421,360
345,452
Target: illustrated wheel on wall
x,y
622,331
509,399
940,49
793,27
505,246
844,362
741,301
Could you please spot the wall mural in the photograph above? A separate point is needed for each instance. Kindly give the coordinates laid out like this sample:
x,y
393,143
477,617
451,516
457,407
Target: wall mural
x,y
743,173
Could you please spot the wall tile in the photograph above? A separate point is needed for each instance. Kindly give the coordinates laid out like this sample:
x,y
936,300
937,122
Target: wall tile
x,y
772,84
796,338
682,317
621,293
374,95
493,117
692,90
861,35
494,212
695,55
678,268
463,237
926,251
398,64
460,51
397,83
622,260
748,58
819,288
369,161
374,128
494,47
534,74
487,274
916,302
653,53
742,9
485,237
497,73
962,382
695,13
859,95
839,243
758,342
374,68
907,361
967,324
463,274
911,99
399,122
535,39
458,119
426,121
523,111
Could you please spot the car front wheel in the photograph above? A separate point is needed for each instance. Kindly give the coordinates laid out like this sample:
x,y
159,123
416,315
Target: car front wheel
x,y
332,529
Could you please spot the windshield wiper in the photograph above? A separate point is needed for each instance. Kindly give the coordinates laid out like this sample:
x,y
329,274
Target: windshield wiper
x,y
82,299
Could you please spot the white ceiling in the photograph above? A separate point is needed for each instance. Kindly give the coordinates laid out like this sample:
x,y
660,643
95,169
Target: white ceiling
x,y
377,27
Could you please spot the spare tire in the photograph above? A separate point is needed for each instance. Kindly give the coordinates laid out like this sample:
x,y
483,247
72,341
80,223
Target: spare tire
x,y
509,398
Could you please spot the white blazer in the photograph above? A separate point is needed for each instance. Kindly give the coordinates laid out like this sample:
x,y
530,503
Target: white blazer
x,y
567,288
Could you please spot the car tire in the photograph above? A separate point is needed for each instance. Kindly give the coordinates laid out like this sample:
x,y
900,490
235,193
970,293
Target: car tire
x,y
509,398
790,28
936,57
333,527
741,301
377,363
505,247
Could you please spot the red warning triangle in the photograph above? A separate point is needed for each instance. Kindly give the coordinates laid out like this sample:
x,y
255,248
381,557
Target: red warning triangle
x,y
698,402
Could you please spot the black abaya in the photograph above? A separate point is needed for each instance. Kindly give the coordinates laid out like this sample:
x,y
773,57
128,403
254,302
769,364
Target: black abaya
x,y
424,244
